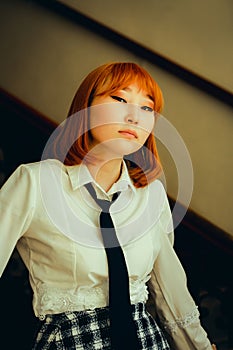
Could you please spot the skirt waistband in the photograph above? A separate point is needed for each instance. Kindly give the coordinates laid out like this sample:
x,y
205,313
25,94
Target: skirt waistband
x,y
137,311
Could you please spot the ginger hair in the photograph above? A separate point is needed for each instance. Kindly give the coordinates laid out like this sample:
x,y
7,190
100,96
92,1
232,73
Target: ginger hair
x,y
143,165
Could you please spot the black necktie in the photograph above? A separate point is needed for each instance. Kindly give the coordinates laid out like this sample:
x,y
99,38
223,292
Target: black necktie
x,y
122,327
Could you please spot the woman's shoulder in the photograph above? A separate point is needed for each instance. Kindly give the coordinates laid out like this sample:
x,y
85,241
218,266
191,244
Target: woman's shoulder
x,y
156,187
30,171
157,183
154,195
35,167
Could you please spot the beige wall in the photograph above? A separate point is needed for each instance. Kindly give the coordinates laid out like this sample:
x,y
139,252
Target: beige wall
x,y
43,60
196,34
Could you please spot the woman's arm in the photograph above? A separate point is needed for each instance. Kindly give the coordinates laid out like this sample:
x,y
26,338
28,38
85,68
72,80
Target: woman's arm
x,y
175,307
17,202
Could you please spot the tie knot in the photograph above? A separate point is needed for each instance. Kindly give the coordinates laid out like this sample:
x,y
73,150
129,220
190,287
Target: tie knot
x,y
104,204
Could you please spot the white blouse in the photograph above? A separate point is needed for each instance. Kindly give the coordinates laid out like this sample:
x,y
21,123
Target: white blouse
x,y
46,211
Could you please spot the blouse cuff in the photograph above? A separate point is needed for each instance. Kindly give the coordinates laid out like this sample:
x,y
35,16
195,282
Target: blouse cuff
x,y
191,318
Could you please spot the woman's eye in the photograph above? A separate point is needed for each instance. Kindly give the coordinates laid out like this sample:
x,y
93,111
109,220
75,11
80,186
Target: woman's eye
x,y
119,99
147,109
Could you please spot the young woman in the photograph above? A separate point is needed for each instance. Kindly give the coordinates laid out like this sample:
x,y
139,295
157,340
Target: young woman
x,y
84,289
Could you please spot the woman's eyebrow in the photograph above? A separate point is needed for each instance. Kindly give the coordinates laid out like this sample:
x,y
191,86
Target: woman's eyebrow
x,y
127,89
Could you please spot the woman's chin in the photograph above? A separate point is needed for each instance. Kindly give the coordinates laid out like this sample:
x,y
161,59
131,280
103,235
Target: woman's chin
x,y
117,148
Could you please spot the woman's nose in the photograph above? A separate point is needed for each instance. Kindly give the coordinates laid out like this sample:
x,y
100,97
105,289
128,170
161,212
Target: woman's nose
x,y
132,115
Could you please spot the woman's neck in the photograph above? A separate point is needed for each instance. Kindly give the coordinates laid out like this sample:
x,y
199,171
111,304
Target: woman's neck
x,y
106,173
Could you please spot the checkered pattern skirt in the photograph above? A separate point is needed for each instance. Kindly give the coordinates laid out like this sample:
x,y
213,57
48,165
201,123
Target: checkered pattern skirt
x,y
89,330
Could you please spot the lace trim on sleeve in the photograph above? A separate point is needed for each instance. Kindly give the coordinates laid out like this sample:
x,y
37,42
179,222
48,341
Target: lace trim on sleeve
x,y
182,322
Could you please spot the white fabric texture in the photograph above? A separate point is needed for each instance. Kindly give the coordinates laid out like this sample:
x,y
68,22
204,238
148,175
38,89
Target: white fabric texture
x,y
48,214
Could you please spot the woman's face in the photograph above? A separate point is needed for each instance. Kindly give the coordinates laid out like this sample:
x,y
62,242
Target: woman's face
x,y
121,122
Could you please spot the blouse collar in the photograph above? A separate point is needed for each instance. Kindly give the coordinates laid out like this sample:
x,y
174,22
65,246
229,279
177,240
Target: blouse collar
x,y
79,176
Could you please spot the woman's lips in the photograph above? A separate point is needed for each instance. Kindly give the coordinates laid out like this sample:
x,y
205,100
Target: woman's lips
x,y
131,134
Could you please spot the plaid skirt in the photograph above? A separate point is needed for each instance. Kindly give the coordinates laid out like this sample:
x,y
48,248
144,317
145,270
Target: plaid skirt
x,y
90,330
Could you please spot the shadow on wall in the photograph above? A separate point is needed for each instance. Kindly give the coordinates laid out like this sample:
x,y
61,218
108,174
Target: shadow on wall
x,y
210,281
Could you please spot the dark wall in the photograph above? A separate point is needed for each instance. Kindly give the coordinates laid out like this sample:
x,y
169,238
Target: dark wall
x,y
21,141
